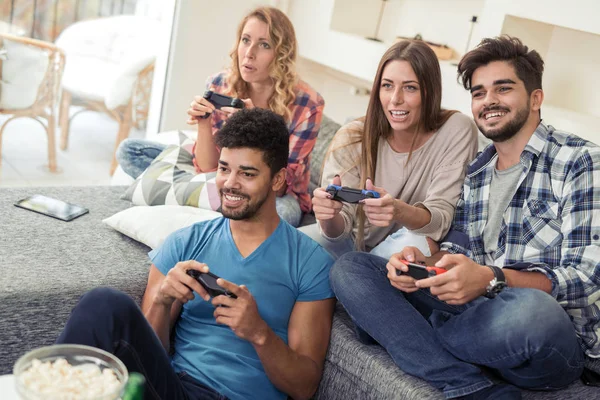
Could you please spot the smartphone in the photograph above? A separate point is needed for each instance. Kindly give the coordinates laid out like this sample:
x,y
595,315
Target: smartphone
x,y
52,207
418,271
209,283
590,378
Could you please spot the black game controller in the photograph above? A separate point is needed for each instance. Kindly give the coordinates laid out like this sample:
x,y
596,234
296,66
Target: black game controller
x,y
418,271
349,195
219,101
209,283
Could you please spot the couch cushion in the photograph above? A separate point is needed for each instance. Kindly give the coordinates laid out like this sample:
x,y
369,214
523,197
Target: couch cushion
x,y
22,72
171,179
328,128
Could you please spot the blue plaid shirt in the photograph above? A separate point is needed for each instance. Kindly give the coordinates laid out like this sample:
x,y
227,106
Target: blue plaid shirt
x,y
551,225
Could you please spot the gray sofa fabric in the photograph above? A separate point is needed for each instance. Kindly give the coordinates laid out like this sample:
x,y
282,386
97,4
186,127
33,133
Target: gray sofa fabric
x,y
47,264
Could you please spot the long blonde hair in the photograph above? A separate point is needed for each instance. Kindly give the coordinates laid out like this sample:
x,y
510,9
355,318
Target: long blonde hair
x,y
283,67
376,126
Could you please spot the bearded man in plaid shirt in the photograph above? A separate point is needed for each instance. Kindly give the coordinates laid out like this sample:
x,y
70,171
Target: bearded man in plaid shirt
x,y
520,295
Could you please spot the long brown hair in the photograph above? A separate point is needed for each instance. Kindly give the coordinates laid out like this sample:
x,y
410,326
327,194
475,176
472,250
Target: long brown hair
x,y
283,67
376,126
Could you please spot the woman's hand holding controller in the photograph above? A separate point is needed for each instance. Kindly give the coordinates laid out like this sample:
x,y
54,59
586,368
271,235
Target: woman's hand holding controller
x,y
381,211
199,108
324,207
229,111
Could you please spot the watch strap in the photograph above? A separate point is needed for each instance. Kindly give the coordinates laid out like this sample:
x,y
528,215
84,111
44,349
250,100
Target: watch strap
x,y
497,284
498,273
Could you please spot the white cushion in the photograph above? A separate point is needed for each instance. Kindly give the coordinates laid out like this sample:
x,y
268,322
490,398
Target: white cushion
x,y
105,55
23,71
78,80
152,224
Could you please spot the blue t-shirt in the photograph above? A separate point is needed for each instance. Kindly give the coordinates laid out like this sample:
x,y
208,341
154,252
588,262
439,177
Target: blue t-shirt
x,y
286,268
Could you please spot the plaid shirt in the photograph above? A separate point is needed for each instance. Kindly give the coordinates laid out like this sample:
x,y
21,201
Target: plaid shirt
x,y
551,225
307,112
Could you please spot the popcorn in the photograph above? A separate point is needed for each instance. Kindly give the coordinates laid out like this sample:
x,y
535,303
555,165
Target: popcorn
x,y
60,380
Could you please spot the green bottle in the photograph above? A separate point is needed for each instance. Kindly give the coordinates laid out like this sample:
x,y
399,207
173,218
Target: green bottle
x,y
134,390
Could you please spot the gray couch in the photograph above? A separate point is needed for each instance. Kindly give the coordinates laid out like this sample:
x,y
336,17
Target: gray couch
x,y
47,264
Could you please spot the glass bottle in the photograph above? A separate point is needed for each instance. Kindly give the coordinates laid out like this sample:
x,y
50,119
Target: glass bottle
x,y
134,390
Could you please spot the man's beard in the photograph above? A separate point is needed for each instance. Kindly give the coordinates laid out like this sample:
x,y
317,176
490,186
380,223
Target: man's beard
x,y
509,130
246,212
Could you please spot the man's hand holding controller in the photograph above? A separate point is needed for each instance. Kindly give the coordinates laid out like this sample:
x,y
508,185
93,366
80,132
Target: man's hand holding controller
x,y
178,285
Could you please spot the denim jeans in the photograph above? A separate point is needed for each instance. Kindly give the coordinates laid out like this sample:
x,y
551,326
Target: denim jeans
x,y
135,155
110,320
522,335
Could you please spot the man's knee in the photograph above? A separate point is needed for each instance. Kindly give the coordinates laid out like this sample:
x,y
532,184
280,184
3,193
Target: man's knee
x,y
106,300
123,151
535,315
346,271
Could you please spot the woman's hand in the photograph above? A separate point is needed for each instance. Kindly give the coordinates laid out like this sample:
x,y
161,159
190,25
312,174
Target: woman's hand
x,y
199,107
324,207
229,111
381,211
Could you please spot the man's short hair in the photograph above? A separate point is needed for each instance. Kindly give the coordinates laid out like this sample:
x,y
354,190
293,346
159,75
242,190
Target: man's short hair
x,y
258,129
528,64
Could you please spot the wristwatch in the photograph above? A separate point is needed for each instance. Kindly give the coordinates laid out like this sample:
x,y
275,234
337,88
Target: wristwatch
x,y
497,284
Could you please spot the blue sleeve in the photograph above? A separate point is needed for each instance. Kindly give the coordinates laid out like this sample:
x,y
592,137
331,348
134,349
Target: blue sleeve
x,y
314,276
171,252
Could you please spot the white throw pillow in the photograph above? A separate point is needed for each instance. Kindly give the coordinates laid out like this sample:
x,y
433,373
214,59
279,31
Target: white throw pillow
x,y
152,224
22,74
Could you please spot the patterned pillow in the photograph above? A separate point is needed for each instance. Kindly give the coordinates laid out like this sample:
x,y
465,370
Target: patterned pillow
x,y
171,179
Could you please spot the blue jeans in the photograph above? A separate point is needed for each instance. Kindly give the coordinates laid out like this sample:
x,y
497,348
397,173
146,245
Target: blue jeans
x,y
523,335
136,155
110,320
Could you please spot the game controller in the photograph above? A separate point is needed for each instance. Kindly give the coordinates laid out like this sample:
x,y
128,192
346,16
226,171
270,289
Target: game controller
x,y
220,101
209,283
349,195
418,271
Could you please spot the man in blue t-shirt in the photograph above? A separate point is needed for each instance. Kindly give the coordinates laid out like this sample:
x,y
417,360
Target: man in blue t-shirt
x,y
267,342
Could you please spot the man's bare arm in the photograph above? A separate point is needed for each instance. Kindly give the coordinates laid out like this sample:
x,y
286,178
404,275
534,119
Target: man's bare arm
x,y
160,316
296,369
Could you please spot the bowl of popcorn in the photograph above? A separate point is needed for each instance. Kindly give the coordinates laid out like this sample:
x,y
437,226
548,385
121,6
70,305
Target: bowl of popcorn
x,y
69,372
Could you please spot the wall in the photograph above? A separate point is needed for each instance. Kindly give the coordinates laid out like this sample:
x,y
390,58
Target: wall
x,y
566,34
348,53
444,22
355,56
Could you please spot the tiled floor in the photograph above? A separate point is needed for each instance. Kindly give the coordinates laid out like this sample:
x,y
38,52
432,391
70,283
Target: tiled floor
x,y
85,162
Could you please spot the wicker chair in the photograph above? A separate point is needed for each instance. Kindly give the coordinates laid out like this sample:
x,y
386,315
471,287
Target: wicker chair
x,y
30,75
110,69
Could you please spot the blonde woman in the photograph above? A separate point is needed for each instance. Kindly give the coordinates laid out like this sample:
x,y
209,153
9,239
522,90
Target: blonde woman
x,y
263,75
407,148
